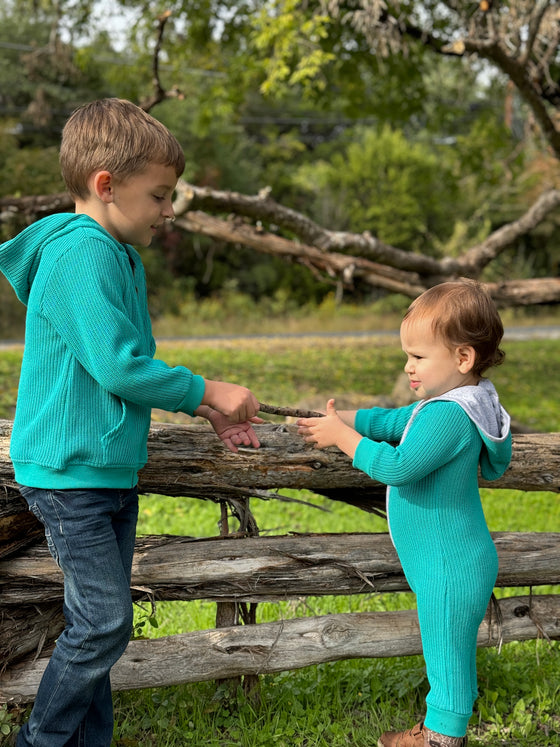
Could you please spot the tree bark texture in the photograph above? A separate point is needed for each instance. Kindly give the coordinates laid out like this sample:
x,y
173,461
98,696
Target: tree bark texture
x,y
233,571
269,569
188,460
290,644
29,629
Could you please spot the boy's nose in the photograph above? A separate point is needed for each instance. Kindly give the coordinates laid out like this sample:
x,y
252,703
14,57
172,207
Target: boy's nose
x,y
167,210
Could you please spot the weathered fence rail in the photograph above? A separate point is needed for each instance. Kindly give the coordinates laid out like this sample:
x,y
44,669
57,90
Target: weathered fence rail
x,y
269,569
289,644
190,461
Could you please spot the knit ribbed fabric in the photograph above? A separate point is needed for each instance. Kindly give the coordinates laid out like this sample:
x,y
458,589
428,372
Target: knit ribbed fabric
x,y
439,531
89,379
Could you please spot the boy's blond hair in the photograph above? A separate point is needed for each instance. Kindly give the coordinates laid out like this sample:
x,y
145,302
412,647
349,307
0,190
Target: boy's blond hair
x,y
462,312
117,136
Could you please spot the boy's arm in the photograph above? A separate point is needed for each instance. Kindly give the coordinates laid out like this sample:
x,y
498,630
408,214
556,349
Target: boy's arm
x,y
116,349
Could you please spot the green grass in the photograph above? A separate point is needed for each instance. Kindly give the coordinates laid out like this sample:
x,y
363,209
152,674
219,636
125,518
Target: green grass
x,y
346,702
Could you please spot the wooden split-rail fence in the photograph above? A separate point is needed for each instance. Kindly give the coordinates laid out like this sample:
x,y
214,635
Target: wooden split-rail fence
x,y
241,569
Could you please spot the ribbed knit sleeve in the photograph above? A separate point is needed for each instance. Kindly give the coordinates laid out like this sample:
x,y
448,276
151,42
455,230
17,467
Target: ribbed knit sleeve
x,y
95,300
438,434
383,424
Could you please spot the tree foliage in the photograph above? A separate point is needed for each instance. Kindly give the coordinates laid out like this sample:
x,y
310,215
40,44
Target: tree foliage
x,y
413,141
384,183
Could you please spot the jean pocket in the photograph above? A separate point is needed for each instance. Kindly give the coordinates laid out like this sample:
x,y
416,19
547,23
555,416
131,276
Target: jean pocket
x,y
34,508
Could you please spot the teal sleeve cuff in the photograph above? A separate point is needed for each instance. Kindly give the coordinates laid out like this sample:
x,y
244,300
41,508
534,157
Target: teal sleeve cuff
x,y
361,421
194,395
363,456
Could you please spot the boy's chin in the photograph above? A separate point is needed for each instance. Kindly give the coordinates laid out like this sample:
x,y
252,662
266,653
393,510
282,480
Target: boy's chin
x,y
143,241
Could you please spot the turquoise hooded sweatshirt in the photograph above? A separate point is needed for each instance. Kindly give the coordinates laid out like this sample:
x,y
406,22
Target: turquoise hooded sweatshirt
x,y
89,378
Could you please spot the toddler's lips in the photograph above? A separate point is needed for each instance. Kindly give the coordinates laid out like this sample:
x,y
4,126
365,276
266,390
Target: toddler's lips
x,y
414,384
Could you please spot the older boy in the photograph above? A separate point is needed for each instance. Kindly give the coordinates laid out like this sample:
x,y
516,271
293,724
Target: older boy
x,y
88,383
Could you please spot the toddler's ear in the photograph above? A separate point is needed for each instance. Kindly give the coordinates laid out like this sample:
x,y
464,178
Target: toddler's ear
x,y
466,357
102,185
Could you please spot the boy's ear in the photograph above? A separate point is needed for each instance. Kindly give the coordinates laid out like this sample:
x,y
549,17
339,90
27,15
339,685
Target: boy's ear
x,y
102,184
466,358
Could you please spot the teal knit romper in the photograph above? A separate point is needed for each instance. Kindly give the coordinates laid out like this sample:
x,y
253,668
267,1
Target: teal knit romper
x,y
438,528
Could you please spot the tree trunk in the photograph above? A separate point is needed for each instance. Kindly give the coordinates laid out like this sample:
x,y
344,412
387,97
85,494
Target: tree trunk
x,y
290,644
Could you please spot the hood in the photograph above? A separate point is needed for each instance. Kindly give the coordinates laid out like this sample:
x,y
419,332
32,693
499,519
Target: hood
x,y
483,407
20,256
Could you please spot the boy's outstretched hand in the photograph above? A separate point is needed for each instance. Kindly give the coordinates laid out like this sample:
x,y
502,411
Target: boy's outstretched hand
x,y
234,434
329,431
231,410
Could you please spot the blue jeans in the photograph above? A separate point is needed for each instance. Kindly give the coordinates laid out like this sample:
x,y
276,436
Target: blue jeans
x,y
90,534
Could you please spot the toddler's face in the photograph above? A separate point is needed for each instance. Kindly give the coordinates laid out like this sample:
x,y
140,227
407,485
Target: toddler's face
x,y
433,368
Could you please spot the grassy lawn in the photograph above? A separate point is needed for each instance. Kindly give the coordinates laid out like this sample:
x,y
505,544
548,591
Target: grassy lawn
x,y
348,702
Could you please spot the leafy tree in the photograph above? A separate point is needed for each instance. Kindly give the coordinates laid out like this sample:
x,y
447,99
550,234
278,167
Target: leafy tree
x,y
40,80
441,74
387,185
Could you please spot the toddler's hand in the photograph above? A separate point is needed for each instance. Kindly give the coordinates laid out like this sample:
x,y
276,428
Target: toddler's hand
x,y
329,431
321,431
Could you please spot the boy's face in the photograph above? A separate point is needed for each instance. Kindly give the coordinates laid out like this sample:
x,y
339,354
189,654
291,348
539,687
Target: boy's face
x,y
137,207
433,368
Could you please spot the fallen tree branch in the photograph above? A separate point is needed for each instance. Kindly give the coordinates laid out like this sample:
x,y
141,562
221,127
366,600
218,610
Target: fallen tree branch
x,y
346,257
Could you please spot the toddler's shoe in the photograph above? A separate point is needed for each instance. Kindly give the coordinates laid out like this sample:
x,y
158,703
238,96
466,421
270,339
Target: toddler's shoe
x,y
419,736
412,738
